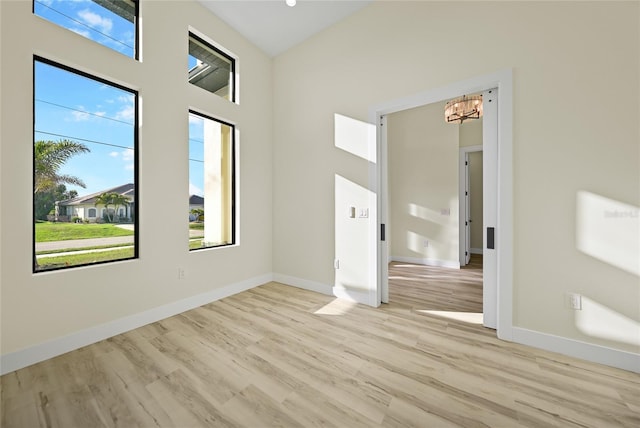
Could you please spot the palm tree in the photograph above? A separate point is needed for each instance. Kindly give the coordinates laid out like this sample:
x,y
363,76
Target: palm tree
x,y
49,157
117,200
106,199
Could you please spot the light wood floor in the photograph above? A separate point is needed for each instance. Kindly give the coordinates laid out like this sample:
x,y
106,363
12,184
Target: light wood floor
x,y
281,356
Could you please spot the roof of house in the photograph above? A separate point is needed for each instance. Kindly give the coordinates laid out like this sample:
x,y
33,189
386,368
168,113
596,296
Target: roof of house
x,y
127,190
196,200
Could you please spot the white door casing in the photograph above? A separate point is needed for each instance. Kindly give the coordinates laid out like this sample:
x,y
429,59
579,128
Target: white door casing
x,y
502,290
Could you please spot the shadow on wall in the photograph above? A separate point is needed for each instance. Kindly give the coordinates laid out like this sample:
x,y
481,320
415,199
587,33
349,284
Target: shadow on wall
x,y
609,231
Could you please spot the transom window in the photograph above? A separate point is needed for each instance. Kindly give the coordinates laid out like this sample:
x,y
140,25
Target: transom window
x,y
112,23
211,69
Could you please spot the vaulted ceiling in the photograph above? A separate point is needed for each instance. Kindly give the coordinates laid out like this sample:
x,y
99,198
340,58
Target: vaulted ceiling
x,y
275,27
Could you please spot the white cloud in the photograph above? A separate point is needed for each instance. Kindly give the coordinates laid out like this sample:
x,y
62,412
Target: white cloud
x,y
96,21
82,32
80,115
194,120
114,154
127,111
195,190
128,155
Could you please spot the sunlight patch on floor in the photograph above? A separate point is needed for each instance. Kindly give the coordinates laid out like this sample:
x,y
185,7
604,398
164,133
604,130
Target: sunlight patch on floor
x,y
336,307
468,317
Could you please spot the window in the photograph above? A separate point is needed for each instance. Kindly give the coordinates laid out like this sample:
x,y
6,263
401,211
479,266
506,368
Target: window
x,y
112,23
211,182
85,161
211,69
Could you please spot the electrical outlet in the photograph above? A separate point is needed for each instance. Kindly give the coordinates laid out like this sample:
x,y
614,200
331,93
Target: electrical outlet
x,y
336,263
425,244
181,273
575,301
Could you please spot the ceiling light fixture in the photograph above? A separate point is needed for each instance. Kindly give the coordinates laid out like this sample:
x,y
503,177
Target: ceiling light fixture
x,y
290,3
460,109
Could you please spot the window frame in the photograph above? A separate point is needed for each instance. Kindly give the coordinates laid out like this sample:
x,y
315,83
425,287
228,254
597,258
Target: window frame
x,y
136,29
219,51
234,171
136,159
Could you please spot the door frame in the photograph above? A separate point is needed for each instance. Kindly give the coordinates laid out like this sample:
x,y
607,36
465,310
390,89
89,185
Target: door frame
x,y
378,173
462,203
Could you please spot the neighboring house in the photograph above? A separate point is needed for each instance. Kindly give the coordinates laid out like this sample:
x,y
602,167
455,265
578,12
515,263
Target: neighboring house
x,y
85,208
195,202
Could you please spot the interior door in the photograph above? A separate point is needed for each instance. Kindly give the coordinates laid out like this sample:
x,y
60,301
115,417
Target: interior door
x,y
490,208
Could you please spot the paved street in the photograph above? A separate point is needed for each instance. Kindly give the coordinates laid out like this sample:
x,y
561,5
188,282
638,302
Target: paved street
x,y
81,243
96,242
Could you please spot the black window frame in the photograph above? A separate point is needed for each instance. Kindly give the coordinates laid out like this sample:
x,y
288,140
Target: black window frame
x,y
136,210
136,27
233,181
226,56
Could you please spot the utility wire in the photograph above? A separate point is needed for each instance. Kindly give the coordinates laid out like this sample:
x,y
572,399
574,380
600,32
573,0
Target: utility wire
x,y
84,112
83,24
84,139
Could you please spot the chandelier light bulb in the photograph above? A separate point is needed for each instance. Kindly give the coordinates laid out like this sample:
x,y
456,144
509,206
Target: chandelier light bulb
x,y
290,3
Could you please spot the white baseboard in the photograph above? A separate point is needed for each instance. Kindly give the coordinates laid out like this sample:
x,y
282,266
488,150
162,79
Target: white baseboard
x,y
52,348
475,250
305,284
353,295
575,348
427,262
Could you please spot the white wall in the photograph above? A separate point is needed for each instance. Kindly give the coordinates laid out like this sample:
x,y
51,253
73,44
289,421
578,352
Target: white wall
x,y
43,307
423,186
567,137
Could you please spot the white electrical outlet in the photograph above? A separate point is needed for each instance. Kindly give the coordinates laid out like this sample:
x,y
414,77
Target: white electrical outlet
x,y
425,244
336,263
181,273
575,301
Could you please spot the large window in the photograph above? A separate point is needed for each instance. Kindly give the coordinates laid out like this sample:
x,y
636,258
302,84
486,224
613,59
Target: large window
x,y
211,182
211,69
84,163
112,23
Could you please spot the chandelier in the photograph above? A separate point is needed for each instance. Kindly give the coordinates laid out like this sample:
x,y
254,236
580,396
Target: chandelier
x,y
466,107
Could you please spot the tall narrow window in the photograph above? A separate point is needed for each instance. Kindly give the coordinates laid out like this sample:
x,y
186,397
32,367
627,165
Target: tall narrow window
x,y
211,182
85,169
211,69
112,23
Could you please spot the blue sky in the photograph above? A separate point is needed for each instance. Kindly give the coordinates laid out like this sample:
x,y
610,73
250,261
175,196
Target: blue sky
x,y
98,115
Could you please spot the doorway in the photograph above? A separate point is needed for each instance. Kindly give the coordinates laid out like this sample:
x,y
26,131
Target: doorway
x,y
497,296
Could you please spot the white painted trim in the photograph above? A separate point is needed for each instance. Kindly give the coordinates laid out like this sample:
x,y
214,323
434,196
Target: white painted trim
x,y
476,251
427,262
305,284
52,348
578,349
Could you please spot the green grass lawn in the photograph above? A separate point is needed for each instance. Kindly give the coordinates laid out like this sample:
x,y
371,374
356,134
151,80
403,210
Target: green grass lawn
x,y
196,225
83,259
47,231
195,243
